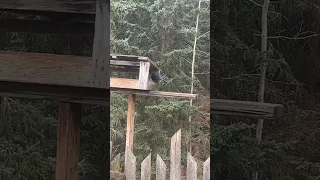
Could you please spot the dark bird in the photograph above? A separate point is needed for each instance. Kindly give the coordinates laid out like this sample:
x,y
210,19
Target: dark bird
x,y
156,77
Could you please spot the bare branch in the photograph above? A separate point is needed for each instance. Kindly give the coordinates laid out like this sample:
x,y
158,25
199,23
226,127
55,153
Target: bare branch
x,y
292,38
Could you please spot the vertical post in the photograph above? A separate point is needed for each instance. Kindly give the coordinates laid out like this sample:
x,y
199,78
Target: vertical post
x,y
101,46
130,126
68,145
143,75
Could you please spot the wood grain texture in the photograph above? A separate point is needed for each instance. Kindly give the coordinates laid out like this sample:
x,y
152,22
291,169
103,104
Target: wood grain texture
x,y
130,165
206,169
47,27
43,68
175,156
117,176
54,92
64,6
101,46
146,168
131,60
247,108
130,122
161,169
191,168
144,74
68,145
154,93
129,84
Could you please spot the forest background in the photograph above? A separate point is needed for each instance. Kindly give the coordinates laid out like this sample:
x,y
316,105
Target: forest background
x,y
290,148
160,29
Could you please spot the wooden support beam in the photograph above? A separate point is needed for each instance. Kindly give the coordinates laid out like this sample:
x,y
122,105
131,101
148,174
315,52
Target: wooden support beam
x,y
49,27
64,6
101,47
68,145
43,68
247,108
154,93
57,93
130,122
130,127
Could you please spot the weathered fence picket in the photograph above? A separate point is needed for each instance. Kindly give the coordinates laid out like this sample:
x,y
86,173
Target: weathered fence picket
x,y
130,169
161,167
191,168
206,169
146,168
175,156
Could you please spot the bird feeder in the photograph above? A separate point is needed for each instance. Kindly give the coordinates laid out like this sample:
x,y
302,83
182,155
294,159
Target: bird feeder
x,y
143,66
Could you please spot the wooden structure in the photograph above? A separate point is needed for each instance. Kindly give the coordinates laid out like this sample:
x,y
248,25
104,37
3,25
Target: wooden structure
x,y
69,79
161,167
247,108
143,66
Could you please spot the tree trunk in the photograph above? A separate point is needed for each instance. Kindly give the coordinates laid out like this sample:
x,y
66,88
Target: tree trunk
x,y
193,62
264,40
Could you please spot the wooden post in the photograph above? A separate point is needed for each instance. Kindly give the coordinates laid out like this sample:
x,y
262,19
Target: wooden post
x,y
144,74
101,46
130,126
130,122
68,145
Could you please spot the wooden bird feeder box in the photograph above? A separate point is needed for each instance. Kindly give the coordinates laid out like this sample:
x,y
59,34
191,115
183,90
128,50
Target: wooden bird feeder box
x,y
142,66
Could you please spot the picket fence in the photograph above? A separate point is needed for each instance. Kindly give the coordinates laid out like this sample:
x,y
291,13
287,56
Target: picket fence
x,y
161,167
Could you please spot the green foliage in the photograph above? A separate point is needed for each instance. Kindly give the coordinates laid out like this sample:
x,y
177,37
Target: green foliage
x,y
236,59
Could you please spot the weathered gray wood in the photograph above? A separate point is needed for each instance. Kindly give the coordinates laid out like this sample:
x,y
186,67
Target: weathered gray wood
x,y
154,93
110,148
146,168
117,176
144,74
134,59
191,168
59,93
66,6
101,46
130,165
175,156
161,169
247,108
48,27
206,169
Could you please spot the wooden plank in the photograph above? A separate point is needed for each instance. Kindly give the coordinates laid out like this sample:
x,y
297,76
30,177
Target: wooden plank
x,y
154,93
161,169
129,84
175,156
101,48
134,60
144,75
54,92
247,108
43,68
191,168
68,145
117,176
206,169
72,6
130,122
48,27
146,168
130,165
129,136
